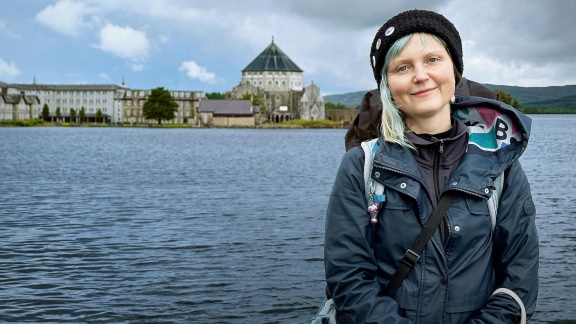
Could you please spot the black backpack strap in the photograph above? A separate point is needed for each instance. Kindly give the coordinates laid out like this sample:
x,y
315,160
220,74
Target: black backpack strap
x,y
413,254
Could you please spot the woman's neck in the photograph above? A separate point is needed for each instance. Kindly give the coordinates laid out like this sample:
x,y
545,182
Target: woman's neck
x,y
436,124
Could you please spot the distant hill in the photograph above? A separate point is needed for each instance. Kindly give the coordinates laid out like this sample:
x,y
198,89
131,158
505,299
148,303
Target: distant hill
x,y
539,97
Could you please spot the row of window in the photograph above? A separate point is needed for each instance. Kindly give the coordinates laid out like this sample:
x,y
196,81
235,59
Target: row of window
x,y
138,113
271,73
66,110
259,83
75,92
174,94
140,103
85,101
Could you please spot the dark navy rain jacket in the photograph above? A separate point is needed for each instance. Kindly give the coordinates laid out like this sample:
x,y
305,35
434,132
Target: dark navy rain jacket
x,y
452,283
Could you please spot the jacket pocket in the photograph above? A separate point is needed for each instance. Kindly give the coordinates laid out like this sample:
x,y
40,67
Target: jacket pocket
x,y
477,206
479,220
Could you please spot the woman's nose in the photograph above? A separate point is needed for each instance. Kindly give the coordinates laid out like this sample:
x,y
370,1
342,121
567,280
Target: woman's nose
x,y
420,74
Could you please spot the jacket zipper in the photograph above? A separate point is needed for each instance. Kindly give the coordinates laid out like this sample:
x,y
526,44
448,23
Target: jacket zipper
x,y
444,227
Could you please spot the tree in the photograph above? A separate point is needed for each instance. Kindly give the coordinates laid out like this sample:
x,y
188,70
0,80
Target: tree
x,y
214,95
58,114
99,115
82,114
160,105
72,115
507,98
530,110
45,112
256,101
330,105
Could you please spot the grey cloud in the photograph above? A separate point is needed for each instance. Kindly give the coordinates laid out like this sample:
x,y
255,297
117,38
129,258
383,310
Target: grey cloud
x,y
532,31
356,14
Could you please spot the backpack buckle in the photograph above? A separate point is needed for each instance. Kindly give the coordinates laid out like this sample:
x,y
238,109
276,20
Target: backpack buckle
x,y
410,258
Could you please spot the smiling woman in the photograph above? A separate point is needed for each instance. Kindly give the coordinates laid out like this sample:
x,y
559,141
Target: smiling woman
x,y
432,247
422,82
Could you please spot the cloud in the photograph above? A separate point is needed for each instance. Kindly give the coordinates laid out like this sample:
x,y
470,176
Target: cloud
x,y
328,39
194,71
164,39
124,42
66,16
104,76
8,70
137,67
5,31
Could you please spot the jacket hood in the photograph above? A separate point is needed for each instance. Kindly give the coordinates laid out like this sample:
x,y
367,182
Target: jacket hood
x,y
498,135
492,125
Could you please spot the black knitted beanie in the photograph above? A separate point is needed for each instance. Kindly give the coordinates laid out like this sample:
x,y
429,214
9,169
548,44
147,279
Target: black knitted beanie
x,y
414,21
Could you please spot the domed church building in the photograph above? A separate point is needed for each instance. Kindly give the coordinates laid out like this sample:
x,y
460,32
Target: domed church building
x,y
279,82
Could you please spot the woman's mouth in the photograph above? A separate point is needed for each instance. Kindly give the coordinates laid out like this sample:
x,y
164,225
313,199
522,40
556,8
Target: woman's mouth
x,y
423,92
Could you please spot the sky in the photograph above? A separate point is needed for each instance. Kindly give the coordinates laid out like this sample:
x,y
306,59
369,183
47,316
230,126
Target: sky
x,y
203,45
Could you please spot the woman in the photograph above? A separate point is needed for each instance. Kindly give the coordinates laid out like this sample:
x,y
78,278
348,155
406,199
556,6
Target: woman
x,y
432,144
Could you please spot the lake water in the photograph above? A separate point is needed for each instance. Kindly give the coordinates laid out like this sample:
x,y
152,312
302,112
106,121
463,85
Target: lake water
x,y
138,225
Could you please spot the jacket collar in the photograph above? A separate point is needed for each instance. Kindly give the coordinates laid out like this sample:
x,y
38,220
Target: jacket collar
x,y
498,135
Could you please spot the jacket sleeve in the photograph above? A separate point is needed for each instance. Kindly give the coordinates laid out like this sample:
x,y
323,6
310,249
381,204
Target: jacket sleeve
x,y
348,257
515,251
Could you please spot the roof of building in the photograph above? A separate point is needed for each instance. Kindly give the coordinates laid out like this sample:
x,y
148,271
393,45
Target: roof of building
x,y
17,98
68,87
272,59
227,107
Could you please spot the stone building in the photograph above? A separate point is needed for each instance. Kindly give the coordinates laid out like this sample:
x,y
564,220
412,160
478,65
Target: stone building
x,y
279,82
15,104
118,104
66,97
344,116
311,106
228,113
133,101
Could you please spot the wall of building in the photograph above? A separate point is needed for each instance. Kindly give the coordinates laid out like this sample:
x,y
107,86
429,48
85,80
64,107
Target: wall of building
x,y
279,81
232,121
18,106
188,103
91,98
122,104
344,116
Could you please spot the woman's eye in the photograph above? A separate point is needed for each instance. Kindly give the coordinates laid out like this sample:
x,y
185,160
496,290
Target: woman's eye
x,y
402,68
433,59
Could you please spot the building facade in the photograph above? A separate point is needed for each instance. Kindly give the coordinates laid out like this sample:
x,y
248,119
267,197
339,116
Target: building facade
x,y
279,82
133,101
67,97
16,104
117,104
311,106
228,113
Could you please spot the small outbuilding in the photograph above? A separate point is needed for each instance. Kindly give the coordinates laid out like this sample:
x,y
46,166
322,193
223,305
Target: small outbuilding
x,y
228,113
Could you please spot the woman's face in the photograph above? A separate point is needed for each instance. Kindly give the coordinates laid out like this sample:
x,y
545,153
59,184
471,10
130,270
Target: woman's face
x,y
422,82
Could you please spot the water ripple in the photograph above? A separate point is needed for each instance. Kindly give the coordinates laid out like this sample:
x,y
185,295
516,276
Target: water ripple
x,y
212,225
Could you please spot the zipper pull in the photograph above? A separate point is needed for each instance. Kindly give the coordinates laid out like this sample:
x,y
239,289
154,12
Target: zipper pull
x,y
441,141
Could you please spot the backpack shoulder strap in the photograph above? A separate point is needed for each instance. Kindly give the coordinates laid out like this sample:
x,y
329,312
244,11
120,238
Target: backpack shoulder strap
x,y
494,200
373,190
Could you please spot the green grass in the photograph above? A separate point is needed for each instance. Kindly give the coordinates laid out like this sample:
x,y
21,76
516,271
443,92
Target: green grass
x,y
311,123
23,123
